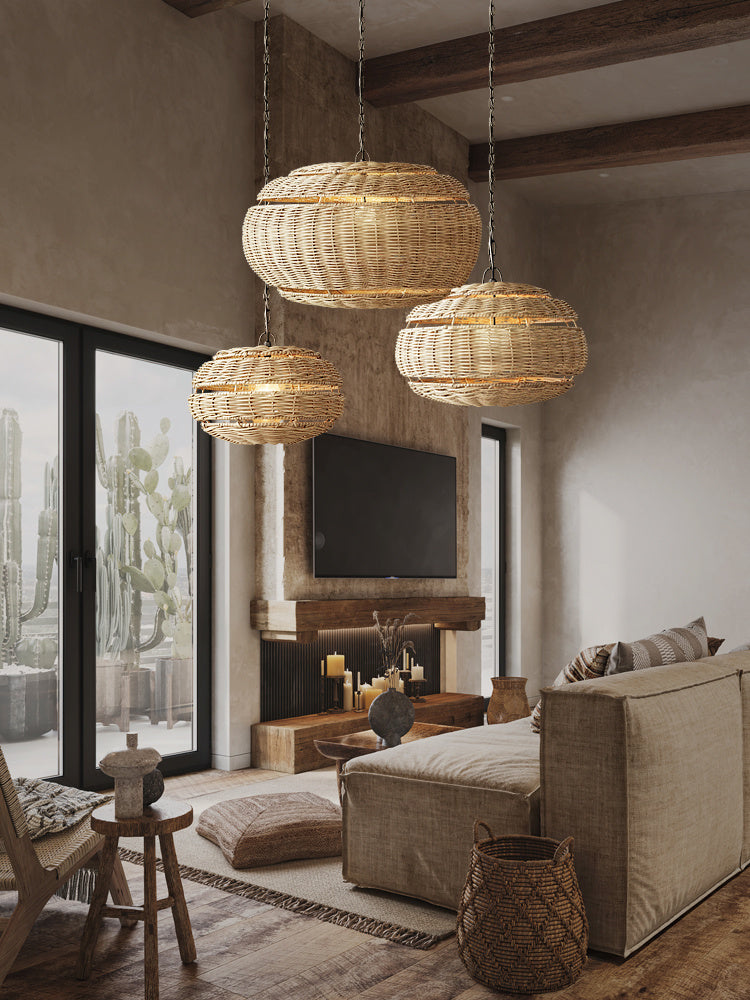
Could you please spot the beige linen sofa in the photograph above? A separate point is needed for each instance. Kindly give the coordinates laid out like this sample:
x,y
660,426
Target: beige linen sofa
x,y
648,771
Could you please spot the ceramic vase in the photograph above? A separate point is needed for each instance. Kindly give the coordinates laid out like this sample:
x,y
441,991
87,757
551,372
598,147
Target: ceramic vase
x,y
508,701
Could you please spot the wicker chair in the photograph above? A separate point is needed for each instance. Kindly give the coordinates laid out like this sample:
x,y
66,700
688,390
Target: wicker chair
x,y
37,869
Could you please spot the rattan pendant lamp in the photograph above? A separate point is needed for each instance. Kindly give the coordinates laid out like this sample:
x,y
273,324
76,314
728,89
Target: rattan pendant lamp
x,y
496,343
266,394
363,235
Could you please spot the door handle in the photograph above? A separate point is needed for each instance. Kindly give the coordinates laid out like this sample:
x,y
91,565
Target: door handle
x,y
78,564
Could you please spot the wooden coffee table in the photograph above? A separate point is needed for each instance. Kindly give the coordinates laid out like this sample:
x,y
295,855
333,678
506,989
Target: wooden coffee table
x,y
344,748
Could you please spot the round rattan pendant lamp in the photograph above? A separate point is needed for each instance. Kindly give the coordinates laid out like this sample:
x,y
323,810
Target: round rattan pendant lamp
x,y
266,394
361,234
495,343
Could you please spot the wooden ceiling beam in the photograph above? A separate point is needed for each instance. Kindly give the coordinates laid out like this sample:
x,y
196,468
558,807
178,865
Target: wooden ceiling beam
x,y
657,140
584,39
195,8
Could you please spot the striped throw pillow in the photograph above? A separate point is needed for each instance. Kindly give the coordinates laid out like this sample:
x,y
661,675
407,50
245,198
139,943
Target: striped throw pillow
x,y
590,662
673,645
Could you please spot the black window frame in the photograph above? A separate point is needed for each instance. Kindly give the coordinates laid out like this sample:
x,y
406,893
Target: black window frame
x,y
78,484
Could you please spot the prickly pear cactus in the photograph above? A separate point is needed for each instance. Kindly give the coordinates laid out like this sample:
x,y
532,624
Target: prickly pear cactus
x,y
128,566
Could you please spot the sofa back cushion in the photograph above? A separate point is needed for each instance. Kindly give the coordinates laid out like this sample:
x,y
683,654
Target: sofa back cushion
x,y
644,770
674,645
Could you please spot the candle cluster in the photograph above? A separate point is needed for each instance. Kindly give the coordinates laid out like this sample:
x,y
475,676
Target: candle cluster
x,y
360,699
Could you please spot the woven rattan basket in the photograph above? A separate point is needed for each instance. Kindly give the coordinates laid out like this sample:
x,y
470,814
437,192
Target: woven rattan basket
x,y
492,344
266,395
522,927
363,235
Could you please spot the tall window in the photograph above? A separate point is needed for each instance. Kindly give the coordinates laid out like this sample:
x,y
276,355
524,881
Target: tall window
x,y
104,550
493,555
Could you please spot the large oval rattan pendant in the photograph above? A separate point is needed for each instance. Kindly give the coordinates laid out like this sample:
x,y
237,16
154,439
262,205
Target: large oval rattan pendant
x,y
266,395
363,235
492,344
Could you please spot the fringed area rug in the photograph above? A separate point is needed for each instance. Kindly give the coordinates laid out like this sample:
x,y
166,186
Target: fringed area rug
x,y
313,887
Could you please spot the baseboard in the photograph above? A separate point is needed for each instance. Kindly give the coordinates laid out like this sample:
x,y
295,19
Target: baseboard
x,y
236,762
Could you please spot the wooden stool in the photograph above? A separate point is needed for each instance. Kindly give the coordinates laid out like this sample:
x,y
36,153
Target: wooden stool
x,y
161,819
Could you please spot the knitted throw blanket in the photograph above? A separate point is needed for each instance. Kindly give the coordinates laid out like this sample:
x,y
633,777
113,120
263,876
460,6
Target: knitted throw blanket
x,y
52,808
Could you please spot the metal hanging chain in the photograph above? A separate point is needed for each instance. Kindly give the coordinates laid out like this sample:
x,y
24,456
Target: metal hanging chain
x,y
266,161
493,272
362,154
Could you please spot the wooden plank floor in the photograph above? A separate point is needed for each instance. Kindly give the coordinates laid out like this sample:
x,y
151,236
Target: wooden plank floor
x,y
251,950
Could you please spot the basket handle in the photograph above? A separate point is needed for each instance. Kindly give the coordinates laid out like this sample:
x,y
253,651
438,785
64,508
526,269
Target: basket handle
x,y
477,824
564,847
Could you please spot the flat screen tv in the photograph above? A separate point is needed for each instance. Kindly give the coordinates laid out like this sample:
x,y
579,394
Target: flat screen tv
x,y
382,511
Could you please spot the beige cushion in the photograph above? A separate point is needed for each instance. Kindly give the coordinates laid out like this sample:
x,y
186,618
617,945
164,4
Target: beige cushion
x,y
589,663
266,829
644,770
409,812
674,645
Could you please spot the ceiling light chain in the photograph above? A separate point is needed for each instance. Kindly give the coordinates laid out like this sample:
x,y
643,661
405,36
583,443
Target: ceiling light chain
x,y
266,158
494,273
362,154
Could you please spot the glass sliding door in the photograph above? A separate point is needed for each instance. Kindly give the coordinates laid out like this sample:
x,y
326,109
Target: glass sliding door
x,y
30,620
105,534
493,555
146,602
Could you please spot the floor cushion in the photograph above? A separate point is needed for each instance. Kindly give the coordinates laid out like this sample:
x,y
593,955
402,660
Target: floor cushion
x,y
267,829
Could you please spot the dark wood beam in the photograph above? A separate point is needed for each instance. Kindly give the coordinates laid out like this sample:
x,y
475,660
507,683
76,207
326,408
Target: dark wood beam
x,y
584,39
194,8
657,140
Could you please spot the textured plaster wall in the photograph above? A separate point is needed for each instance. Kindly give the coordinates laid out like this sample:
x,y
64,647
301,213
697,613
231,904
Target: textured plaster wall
x,y
314,119
126,169
645,465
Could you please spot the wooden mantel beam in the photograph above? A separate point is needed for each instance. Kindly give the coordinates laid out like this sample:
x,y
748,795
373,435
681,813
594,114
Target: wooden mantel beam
x,y
657,140
584,39
194,8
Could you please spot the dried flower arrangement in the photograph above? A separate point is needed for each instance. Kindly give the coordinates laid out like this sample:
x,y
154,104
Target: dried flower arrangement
x,y
393,644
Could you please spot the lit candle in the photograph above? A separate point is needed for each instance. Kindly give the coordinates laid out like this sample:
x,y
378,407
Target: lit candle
x,y
359,682
348,676
335,665
322,668
401,684
417,672
348,696
371,694
380,683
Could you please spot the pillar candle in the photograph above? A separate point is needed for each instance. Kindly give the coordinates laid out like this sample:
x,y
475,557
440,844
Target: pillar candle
x,y
371,694
348,696
348,676
417,673
322,668
335,665
359,682
380,683
401,684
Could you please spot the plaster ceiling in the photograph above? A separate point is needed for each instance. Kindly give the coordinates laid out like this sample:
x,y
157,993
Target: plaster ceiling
x,y
673,84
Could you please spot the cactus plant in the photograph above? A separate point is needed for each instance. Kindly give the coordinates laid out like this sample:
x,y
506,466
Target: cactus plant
x,y
129,565
32,657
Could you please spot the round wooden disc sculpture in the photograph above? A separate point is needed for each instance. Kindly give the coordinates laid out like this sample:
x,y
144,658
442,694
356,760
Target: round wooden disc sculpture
x,y
363,235
492,344
266,395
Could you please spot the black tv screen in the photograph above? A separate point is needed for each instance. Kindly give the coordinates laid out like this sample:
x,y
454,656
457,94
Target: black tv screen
x,y
382,511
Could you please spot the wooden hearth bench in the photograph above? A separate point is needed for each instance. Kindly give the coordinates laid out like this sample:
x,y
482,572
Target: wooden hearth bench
x,y
289,744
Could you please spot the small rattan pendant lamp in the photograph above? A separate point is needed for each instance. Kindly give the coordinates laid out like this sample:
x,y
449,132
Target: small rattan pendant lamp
x,y
266,394
494,343
363,235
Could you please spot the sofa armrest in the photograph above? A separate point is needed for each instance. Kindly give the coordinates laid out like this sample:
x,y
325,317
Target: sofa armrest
x,y
644,770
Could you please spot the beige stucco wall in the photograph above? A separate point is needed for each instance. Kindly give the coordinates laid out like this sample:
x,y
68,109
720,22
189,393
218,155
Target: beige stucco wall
x,y
645,462
126,168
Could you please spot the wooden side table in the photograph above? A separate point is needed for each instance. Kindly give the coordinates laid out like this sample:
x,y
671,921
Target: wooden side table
x,y
160,820
351,745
